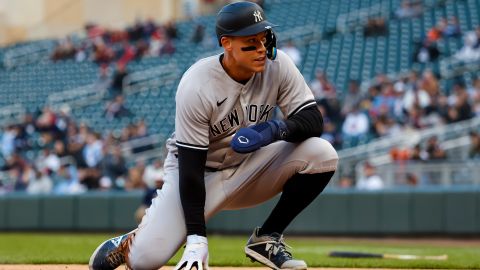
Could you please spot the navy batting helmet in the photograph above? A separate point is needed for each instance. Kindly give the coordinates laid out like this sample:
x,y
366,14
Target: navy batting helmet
x,y
245,19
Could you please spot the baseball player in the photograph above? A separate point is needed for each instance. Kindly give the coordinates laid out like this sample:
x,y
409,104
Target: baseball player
x,y
227,152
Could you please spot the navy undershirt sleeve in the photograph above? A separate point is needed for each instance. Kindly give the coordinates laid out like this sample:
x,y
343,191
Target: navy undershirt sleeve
x,y
191,167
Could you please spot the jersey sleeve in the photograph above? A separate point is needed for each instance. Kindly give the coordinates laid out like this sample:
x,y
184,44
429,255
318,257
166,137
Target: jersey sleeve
x,y
191,119
294,93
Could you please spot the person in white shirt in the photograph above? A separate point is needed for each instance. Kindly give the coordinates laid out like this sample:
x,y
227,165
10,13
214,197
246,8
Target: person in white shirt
x,y
153,173
355,127
293,53
40,184
370,180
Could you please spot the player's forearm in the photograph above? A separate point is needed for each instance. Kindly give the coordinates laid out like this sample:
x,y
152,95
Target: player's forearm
x,y
304,124
191,165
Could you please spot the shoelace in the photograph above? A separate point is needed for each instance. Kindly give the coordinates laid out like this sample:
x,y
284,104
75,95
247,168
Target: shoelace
x,y
119,255
279,243
283,247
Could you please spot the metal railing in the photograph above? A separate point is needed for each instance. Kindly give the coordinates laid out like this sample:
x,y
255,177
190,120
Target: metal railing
x,y
151,78
12,114
377,151
352,20
357,18
452,66
26,54
143,149
432,173
77,97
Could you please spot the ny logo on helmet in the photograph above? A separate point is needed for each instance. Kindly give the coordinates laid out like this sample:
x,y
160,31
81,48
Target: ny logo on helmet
x,y
258,16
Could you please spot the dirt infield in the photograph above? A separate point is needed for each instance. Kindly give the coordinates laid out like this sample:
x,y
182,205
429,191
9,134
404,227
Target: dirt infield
x,y
84,267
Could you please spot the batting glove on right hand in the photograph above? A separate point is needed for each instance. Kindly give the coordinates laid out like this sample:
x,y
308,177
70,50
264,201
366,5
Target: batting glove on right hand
x,y
195,254
251,138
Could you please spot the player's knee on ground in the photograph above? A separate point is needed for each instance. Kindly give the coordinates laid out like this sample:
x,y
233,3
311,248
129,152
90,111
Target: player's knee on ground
x,y
320,155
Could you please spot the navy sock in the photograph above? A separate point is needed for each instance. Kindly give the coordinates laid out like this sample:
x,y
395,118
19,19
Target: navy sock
x,y
298,192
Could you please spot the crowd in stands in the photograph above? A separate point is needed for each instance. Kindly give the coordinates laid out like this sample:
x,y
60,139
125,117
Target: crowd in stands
x,y
71,157
414,101
104,46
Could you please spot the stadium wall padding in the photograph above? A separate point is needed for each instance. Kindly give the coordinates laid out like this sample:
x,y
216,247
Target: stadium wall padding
x,y
452,211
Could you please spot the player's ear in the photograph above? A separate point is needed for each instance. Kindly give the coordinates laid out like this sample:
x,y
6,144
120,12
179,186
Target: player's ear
x,y
226,43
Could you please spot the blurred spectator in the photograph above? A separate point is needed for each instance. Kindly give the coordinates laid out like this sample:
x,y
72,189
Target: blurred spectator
x,y
452,28
198,34
471,47
411,179
474,152
153,175
370,180
149,27
171,30
400,154
292,51
41,183
46,121
117,109
345,182
474,96
433,151
135,177
118,81
352,97
168,48
355,128
64,50
435,33
48,161
415,98
128,54
67,181
8,137
102,54
426,51
17,169
383,125
114,167
409,9
459,107
135,32
141,49
157,41
429,83
321,87
384,103
92,151
375,27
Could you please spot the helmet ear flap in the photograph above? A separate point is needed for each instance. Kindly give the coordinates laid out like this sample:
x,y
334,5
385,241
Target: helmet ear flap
x,y
271,45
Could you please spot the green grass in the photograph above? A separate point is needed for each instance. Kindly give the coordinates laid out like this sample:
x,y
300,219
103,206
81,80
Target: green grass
x,y
60,248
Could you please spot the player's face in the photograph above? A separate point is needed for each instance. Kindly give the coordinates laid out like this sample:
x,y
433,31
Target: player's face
x,y
250,51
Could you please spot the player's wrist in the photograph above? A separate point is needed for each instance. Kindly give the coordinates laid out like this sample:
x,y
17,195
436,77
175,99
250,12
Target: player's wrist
x,y
196,239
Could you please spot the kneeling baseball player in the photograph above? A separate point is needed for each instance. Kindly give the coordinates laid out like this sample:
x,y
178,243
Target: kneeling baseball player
x,y
227,152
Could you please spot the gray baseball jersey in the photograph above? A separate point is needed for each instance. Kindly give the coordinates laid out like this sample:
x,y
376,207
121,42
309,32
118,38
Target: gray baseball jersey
x,y
211,106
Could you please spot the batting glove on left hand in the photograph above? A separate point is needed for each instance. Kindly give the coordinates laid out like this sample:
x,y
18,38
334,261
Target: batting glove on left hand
x,y
251,138
195,254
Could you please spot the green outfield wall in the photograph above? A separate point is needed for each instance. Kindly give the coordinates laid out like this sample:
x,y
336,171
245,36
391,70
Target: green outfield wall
x,y
343,212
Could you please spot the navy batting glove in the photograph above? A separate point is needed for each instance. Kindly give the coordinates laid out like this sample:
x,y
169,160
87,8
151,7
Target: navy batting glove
x,y
251,138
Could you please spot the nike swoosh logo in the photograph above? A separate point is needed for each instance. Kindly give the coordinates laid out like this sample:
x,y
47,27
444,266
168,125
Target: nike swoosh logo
x,y
220,102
